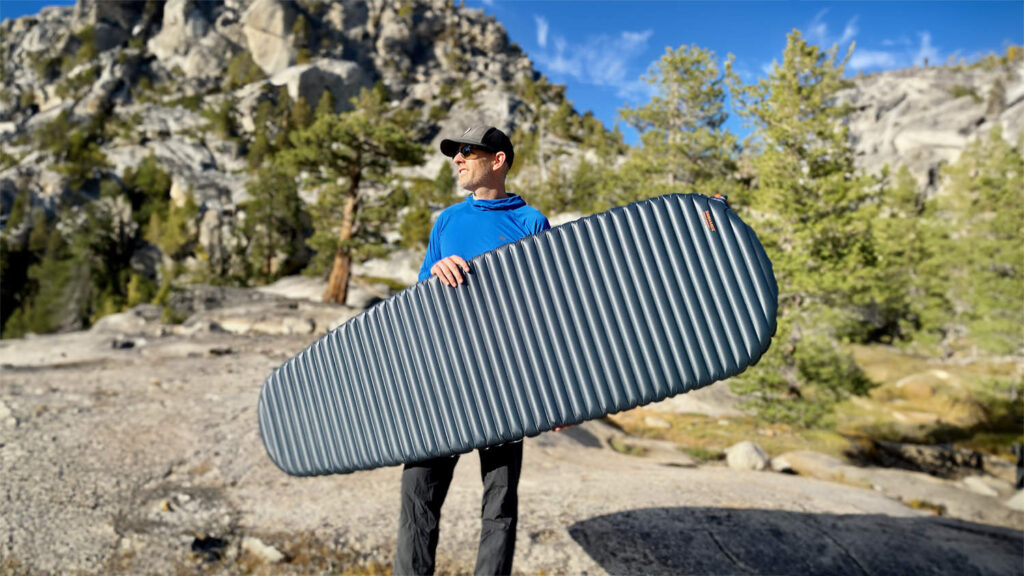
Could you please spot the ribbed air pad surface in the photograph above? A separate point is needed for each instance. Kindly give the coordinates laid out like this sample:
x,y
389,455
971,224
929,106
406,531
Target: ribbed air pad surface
x,y
600,315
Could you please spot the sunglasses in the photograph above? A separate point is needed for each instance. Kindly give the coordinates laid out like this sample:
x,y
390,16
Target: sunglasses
x,y
469,151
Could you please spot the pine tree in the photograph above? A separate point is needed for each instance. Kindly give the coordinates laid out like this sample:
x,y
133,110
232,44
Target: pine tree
x,y
260,148
302,34
685,147
984,207
141,290
37,239
172,233
291,115
535,94
444,185
907,299
148,187
20,210
324,106
425,196
222,118
415,227
812,213
274,220
343,154
44,310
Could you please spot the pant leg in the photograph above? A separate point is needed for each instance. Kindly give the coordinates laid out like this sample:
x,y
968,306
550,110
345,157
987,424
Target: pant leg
x,y
499,468
424,487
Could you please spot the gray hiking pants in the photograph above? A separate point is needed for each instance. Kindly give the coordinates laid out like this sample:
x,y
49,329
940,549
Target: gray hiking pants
x,y
424,487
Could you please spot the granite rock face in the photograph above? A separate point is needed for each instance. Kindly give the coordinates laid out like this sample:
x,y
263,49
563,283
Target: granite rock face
x,y
134,448
746,456
156,70
924,117
267,25
342,78
151,57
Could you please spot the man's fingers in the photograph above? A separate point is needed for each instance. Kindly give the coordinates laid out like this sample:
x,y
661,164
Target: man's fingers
x,y
453,268
462,263
448,272
440,272
447,269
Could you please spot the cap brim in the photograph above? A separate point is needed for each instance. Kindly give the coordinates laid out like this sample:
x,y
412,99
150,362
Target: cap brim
x,y
450,147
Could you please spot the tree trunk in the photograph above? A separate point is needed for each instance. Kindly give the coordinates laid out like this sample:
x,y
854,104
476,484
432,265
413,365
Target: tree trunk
x,y
540,150
337,282
789,371
268,259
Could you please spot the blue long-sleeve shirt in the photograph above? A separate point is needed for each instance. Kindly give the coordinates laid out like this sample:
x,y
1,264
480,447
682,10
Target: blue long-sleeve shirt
x,y
473,227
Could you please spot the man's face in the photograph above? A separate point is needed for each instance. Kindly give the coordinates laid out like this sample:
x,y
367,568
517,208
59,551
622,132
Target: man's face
x,y
474,168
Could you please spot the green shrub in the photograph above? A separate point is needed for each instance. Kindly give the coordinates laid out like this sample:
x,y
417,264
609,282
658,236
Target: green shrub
x,y
702,453
148,188
172,233
88,50
141,289
415,227
222,118
193,102
47,67
961,91
242,70
437,113
623,447
467,91
27,99
73,86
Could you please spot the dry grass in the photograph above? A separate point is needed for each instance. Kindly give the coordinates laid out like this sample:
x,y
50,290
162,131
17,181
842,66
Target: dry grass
x,y
919,399
925,400
305,553
705,436
886,364
934,509
623,447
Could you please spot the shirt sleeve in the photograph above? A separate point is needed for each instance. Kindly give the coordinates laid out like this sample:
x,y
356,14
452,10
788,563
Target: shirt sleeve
x,y
536,221
433,251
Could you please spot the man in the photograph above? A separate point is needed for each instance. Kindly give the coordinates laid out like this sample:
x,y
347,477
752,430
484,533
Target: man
x,y
488,218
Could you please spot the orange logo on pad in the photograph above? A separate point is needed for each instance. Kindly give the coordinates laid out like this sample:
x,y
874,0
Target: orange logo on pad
x,y
708,222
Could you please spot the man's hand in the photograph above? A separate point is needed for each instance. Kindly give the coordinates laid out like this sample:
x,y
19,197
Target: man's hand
x,y
447,269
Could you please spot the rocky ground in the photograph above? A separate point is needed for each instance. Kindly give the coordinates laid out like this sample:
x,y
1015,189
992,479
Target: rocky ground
x,y
133,448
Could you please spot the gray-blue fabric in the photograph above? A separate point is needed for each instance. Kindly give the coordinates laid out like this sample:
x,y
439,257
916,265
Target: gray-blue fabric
x,y
609,312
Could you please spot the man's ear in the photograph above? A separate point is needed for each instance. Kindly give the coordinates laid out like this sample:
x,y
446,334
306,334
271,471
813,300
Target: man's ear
x,y
500,159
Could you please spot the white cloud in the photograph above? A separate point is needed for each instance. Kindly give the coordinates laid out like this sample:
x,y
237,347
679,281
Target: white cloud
x,y
901,41
817,31
604,60
542,31
902,54
637,39
863,59
926,51
850,31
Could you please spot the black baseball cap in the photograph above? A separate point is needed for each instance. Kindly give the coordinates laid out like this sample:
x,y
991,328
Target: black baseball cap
x,y
488,138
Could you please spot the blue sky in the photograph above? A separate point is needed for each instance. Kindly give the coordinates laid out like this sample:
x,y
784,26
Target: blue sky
x,y
600,48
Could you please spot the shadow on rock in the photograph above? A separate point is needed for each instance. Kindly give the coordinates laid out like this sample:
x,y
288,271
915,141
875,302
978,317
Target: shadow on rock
x,y
726,541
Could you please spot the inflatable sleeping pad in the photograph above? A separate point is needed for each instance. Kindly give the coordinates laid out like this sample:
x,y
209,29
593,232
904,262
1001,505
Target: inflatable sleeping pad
x,y
609,312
